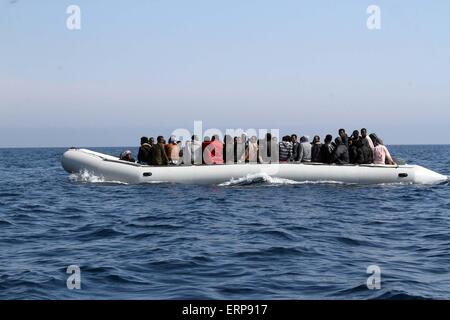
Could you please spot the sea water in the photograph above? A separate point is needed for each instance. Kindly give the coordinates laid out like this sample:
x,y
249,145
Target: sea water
x,y
256,237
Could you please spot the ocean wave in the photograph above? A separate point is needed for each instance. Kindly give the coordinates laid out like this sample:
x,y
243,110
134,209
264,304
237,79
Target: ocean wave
x,y
264,178
5,223
399,295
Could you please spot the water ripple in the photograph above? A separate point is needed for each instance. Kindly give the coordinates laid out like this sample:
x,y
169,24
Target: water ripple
x,y
252,238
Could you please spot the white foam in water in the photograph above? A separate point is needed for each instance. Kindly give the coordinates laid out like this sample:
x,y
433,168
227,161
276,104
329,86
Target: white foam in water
x,y
85,176
267,179
88,177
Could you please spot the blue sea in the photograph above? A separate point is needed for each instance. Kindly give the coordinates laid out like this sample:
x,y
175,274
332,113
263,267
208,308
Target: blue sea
x,y
261,239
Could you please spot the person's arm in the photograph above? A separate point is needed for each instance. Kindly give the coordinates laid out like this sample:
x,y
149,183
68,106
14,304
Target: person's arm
x,y
371,145
300,152
164,154
389,159
258,152
336,156
295,152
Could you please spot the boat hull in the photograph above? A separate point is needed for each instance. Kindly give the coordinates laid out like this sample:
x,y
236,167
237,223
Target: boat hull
x,y
112,169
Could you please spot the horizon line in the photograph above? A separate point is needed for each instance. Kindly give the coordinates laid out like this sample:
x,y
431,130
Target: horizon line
x,y
137,146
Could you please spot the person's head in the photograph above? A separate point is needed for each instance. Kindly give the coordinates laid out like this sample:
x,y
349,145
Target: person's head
x,y
215,137
144,140
374,139
228,138
355,135
172,140
286,139
316,140
253,139
363,133
274,139
328,138
338,141
151,140
206,139
304,139
293,138
160,139
342,133
126,155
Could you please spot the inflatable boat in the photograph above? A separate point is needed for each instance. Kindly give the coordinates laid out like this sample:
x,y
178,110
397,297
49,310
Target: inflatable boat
x,y
112,169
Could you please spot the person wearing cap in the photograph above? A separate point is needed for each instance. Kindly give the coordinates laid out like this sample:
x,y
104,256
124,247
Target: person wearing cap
x,y
127,156
173,151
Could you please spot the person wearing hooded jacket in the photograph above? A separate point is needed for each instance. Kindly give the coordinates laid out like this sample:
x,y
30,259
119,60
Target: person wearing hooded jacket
x,y
305,150
364,152
381,154
145,152
353,149
340,155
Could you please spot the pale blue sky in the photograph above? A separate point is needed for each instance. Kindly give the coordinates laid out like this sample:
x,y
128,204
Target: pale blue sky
x,y
148,67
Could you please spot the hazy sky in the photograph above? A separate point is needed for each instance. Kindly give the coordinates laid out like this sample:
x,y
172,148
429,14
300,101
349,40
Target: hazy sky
x,y
148,67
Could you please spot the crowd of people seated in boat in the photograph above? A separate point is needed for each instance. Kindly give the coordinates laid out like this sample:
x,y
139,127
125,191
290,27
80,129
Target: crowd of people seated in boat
x,y
359,148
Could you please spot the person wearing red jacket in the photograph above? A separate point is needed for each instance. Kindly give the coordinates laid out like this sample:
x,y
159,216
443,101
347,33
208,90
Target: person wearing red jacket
x,y
213,153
